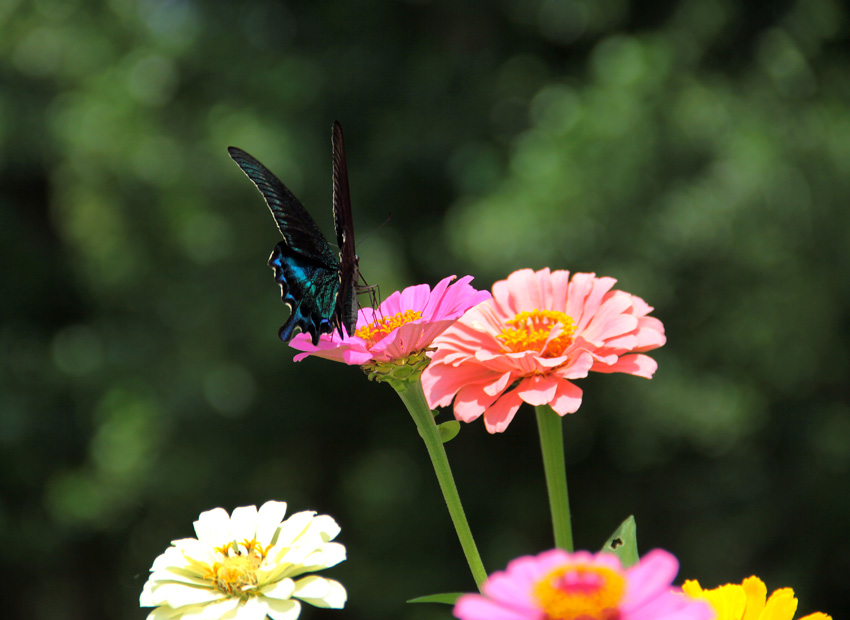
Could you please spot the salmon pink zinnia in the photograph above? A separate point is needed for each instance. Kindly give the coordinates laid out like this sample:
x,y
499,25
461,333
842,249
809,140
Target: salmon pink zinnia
x,y
565,586
404,324
538,332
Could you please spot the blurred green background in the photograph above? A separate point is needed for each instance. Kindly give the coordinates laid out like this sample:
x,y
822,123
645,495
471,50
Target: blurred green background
x,y
696,150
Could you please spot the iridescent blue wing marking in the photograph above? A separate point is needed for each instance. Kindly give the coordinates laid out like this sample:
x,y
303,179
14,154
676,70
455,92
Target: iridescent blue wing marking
x,y
304,264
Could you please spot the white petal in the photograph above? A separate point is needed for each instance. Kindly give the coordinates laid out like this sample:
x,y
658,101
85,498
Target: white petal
x,y
288,555
213,527
145,598
283,610
196,612
330,554
178,575
228,608
294,527
243,523
326,525
270,515
252,609
195,549
281,590
164,613
321,592
177,595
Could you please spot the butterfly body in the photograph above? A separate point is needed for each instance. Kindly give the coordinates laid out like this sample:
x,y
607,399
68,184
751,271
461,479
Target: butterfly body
x,y
319,287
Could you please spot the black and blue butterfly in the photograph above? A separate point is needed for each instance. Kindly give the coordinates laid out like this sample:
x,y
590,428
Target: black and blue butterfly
x,y
319,287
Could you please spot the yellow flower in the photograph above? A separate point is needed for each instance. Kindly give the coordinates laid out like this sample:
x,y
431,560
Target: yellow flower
x,y
748,601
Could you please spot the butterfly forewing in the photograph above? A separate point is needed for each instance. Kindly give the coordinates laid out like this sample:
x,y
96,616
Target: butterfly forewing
x,y
301,232
345,313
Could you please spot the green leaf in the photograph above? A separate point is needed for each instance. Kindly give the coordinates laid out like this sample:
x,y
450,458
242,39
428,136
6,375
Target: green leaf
x,y
448,430
623,543
448,598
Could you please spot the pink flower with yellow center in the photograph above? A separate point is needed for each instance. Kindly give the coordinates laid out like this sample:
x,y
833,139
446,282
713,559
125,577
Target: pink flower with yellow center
x,y
540,331
405,323
749,601
557,585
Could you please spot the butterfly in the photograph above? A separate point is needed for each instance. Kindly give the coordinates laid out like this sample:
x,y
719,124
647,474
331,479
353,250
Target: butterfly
x,y
319,287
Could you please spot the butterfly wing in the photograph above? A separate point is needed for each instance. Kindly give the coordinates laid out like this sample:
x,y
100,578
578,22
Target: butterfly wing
x,y
304,265
345,310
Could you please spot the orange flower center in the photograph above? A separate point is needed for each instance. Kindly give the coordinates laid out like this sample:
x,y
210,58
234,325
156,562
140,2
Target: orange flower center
x,y
236,573
374,332
530,331
586,592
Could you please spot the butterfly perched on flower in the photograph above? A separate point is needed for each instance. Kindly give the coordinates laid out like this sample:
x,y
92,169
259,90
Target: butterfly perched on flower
x,y
319,287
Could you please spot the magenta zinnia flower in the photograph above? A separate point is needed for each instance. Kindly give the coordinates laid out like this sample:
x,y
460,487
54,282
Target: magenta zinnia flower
x,y
540,331
404,324
558,585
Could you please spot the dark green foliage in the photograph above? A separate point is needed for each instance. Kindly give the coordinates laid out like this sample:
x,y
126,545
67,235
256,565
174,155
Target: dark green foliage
x,y
697,150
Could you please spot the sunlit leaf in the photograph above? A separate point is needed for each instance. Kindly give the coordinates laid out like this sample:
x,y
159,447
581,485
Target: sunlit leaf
x,y
447,598
623,542
448,430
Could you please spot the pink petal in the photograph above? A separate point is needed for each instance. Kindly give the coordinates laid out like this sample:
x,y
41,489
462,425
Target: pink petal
x,y
440,382
591,291
413,298
649,577
537,390
519,292
498,386
471,401
557,291
638,364
500,413
567,398
476,607
650,334
610,321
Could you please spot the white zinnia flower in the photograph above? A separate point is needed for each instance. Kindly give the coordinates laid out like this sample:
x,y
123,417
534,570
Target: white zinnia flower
x,y
246,566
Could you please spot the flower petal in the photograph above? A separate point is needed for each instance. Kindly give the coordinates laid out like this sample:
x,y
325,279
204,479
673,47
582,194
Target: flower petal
x,y
281,590
501,412
537,390
567,398
283,610
268,519
243,523
213,527
639,365
321,592
477,607
654,573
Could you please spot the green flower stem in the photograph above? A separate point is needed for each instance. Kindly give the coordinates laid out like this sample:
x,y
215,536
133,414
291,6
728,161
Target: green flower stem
x,y
554,466
414,399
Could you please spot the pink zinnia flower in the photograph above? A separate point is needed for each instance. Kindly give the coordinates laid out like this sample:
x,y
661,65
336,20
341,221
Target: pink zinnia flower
x,y
540,331
557,585
405,323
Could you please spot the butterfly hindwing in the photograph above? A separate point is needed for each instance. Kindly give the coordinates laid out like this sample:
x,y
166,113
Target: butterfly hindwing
x,y
309,289
305,266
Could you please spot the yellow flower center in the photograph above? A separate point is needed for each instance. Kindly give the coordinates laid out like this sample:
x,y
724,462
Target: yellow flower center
x,y
530,332
236,573
585,592
374,332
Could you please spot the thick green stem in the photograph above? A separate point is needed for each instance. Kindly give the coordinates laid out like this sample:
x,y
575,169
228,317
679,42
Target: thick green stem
x,y
414,399
554,466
